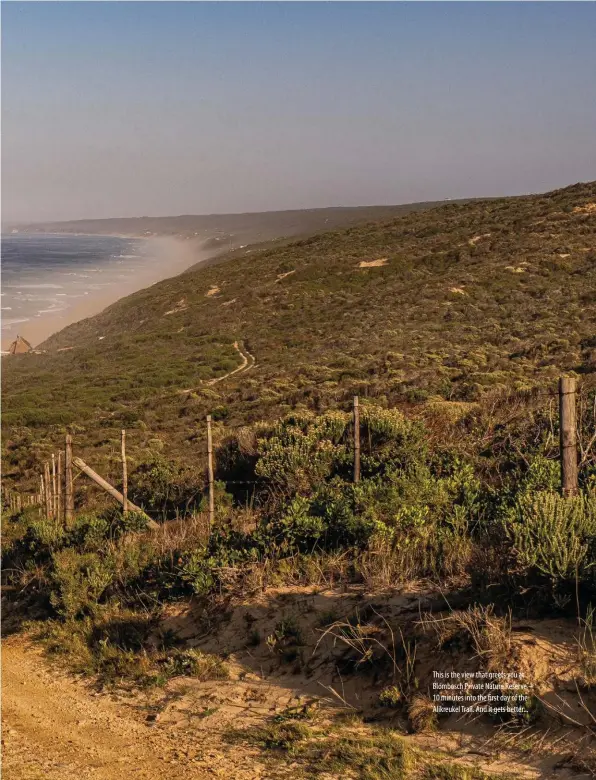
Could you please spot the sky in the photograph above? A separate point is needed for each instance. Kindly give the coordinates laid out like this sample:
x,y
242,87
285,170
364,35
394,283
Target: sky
x,y
163,108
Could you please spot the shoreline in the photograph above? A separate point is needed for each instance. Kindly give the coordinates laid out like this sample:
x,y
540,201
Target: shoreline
x,y
170,256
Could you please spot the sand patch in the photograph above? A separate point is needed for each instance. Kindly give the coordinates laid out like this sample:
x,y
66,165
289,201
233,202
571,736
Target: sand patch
x,y
515,269
229,303
270,669
458,290
283,276
180,306
473,241
373,263
568,254
589,208
213,290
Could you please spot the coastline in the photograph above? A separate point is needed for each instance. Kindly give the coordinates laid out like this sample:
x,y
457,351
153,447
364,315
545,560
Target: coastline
x,y
169,256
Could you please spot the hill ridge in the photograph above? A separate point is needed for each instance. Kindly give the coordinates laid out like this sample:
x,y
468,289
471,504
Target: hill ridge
x,y
472,298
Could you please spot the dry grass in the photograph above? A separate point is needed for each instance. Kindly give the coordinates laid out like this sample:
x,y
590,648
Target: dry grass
x,y
586,647
421,714
489,634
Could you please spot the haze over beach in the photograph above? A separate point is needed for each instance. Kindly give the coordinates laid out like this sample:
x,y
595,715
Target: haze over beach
x,y
196,127
298,391
51,280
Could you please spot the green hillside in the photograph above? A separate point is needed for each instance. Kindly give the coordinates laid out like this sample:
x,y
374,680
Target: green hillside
x,y
452,326
464,299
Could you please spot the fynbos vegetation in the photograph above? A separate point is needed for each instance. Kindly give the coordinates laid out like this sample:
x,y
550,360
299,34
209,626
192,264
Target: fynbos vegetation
x,y
453,343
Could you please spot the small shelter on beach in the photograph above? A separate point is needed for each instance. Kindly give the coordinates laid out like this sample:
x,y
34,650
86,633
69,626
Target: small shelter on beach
x,y
19,345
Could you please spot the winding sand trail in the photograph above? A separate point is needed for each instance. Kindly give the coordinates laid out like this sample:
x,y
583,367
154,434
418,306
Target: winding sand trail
x,y
57,728
248,361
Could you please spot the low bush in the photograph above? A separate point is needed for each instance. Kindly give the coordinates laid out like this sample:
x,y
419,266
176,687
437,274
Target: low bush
x,y
79,581
553,540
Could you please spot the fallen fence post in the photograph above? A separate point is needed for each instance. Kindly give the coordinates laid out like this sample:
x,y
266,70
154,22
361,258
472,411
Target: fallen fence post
x,y
93,475
356,440
210,473
568,436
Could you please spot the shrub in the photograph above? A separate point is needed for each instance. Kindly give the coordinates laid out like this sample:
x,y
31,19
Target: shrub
x,y
554,536
390,697
283,736
194,663
79,581
89,532
195,572
44,534
166,486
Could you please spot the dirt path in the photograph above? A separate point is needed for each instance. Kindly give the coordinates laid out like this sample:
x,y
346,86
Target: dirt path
x,y
57,728
248,362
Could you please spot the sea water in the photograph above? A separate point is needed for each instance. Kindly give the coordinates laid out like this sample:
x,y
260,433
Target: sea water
x,y
45,275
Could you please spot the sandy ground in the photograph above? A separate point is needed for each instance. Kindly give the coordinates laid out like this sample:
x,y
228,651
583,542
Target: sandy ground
x,y
61,728
57,728
169,257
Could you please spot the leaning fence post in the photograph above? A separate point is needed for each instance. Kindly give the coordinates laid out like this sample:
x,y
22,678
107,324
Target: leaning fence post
x,y
356,440
568,436
124,473
210,473
69,496
105,485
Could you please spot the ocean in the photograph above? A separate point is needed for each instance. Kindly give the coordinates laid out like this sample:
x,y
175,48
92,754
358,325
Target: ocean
x,y
50,280
48,274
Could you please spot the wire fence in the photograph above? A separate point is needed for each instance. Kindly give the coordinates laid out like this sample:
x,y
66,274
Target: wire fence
x,y
55,495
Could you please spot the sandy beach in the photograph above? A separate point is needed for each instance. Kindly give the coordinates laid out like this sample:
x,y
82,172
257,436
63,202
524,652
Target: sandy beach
x,y
166,257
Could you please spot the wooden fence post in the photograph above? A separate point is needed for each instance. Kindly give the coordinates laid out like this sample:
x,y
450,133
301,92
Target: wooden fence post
x,y
59,480
68,487
54,488
356,440
124,474
48,485
568,436
210,473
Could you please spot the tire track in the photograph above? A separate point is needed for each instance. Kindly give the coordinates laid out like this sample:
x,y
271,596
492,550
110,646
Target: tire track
x,y
248,361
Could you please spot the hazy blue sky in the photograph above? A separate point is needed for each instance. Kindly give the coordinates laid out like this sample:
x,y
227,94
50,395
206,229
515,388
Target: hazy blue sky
x,y
127,109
